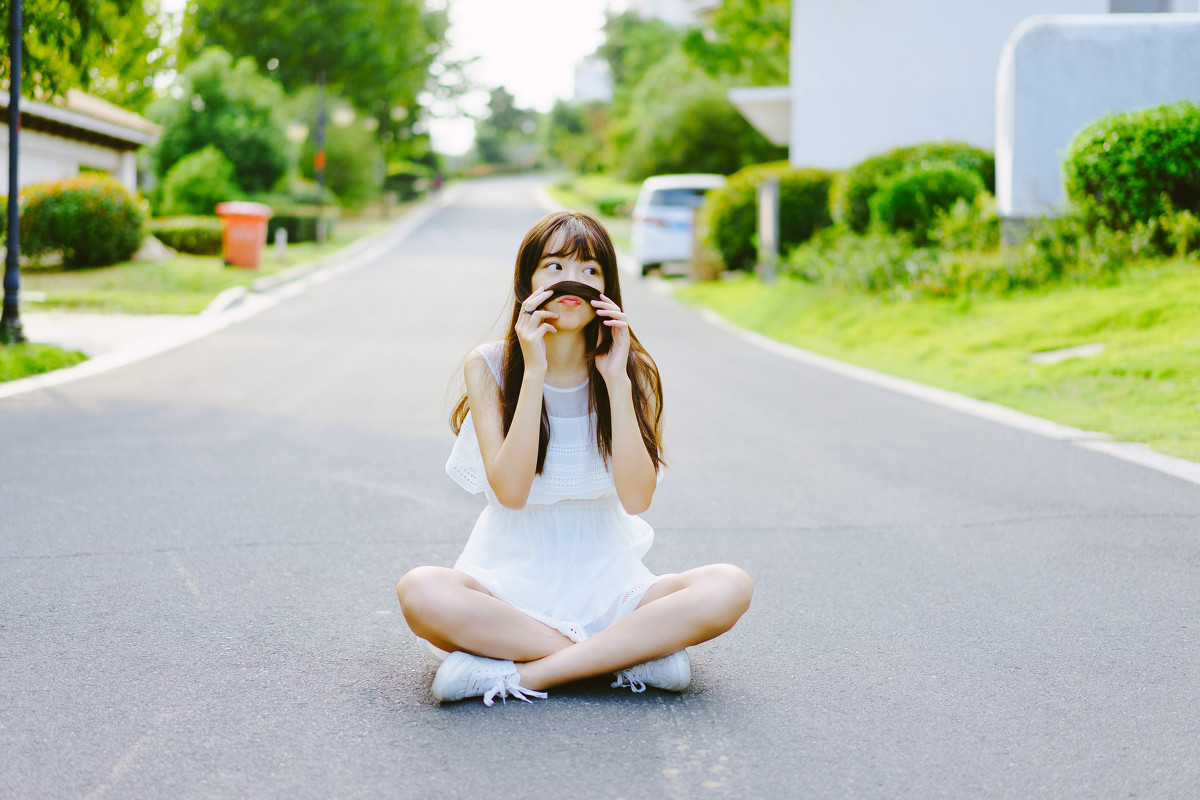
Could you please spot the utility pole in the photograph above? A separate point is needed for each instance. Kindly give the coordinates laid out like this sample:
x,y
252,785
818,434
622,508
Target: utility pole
x,y
11,331
319,157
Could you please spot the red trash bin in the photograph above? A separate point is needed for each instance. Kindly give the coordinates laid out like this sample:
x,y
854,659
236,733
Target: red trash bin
x,y
245,232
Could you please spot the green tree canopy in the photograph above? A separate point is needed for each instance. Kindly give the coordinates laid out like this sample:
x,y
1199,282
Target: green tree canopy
x,y
126,69
746,39
232,107
375,53
632,46
682,121
62,40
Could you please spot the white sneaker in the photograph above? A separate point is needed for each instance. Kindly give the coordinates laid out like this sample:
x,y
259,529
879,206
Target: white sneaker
x,y
463,675
673,673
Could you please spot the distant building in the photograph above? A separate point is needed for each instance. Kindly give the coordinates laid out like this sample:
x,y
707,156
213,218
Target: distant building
x,y
592,81
84,134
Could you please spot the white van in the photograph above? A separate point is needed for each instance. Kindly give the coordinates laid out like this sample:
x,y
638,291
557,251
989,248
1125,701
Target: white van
x,y
662,217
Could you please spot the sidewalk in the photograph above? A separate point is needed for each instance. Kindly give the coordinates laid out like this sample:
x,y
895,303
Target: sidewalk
x,y
101,334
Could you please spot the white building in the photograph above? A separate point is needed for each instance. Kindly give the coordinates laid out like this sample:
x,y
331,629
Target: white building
x,y
85,134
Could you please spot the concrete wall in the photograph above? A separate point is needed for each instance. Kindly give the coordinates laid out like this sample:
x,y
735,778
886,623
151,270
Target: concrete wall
x,y
869,75
49,158
1059,73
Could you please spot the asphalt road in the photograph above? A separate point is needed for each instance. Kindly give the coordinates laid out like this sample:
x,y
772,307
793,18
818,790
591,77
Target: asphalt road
x,y
198,554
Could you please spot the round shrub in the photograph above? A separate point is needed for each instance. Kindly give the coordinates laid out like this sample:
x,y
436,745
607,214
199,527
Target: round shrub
x,y
853,192
92,220
198,182
199,236
1133,167
911,200
732,211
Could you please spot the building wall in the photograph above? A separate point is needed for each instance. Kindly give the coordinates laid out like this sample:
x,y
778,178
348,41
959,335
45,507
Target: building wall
x,y
869,75
47,158
1059,73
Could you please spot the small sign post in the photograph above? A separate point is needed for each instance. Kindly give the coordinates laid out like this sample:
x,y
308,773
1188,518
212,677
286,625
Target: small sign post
x,y
768,229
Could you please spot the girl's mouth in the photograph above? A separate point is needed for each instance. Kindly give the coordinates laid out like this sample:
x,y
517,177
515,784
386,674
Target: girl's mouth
x,y
570,300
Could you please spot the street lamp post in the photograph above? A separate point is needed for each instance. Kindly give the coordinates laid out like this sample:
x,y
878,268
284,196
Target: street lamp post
x,y
10,322
319,158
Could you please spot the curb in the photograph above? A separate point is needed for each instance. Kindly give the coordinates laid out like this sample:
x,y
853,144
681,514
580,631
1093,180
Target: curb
x,y
237,303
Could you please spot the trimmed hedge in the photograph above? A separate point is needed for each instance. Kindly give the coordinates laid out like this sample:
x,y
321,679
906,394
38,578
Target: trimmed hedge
x,y
199,236
731,211
1134,167
91,219
853,191
911,200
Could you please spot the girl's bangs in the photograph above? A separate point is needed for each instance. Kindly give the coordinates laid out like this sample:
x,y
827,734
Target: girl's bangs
x,y
575,240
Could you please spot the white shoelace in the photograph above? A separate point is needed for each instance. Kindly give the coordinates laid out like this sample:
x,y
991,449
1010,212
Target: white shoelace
x,y
624,678
510,685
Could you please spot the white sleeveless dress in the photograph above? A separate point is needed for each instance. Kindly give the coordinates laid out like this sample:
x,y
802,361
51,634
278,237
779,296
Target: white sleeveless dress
x,y
572,557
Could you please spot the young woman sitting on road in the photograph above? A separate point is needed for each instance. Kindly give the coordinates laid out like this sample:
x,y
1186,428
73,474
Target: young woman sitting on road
x,y
560,427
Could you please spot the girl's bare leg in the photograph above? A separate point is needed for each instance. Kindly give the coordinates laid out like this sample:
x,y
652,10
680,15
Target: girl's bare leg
x,y
677,612
453,611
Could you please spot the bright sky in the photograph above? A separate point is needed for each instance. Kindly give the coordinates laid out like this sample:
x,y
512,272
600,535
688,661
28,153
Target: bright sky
x,y
528,46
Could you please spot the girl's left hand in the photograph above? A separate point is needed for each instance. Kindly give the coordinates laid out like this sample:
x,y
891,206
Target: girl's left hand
x,y
613,363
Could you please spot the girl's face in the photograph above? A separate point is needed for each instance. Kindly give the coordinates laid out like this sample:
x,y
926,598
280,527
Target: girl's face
x,y
573,312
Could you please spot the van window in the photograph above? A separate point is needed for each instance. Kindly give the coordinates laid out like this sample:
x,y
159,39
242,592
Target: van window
x,y
686,198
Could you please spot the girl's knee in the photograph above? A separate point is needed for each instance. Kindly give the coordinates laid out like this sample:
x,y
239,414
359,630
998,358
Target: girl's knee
x,y
419,588
732,588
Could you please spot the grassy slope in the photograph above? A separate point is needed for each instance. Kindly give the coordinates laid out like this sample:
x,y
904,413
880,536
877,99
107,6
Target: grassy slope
x,y
1144,387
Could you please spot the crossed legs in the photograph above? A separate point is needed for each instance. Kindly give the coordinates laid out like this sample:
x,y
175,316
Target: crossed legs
x,y
451,610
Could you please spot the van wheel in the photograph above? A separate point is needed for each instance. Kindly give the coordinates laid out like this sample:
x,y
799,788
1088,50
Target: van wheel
x,y
647,267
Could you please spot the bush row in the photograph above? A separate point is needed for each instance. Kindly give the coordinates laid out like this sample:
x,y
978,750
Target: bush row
x,y
196,235
967,260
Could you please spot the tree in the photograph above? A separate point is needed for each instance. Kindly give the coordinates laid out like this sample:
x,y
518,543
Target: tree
x,y
632,46
232,107
569,135
500,135
126,69
375,53
62,40
746,39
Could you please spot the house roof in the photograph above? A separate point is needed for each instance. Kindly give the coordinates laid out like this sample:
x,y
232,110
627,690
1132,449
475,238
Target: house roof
x,y
87,118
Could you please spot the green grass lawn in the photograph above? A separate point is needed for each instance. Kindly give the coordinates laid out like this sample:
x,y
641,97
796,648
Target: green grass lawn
x,y
583,192
22,360
1143,387
183,285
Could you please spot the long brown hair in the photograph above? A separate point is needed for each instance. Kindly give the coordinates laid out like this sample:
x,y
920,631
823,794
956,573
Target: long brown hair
x,y
586,240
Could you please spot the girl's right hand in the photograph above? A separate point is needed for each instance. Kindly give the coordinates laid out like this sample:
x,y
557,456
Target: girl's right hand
x,y
532,326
